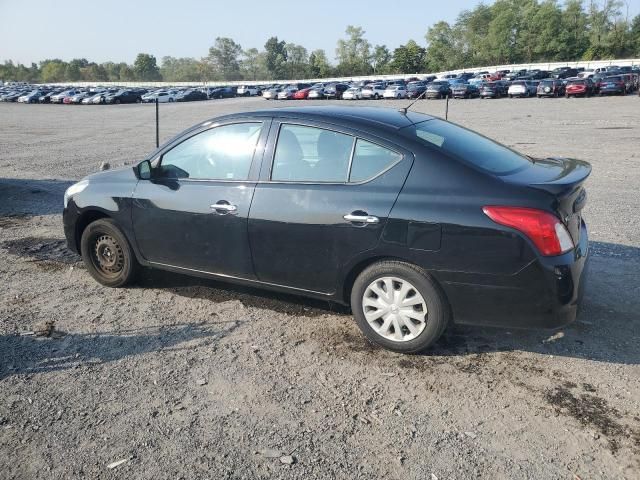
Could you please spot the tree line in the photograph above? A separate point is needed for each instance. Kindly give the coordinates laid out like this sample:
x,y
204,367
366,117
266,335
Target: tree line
x,y
505,32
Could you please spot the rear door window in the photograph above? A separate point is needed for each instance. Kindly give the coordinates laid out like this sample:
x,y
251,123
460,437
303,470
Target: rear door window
x,y
309,154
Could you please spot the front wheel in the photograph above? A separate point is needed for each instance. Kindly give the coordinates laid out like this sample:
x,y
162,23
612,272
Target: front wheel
x,y
399,307
107,254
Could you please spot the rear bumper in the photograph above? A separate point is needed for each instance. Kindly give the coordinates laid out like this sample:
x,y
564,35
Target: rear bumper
x,y
545,294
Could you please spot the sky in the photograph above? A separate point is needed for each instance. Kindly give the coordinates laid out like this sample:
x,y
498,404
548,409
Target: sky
x,y
118,30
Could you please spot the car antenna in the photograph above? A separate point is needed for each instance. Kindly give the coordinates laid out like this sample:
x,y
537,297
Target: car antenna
x,y
404,110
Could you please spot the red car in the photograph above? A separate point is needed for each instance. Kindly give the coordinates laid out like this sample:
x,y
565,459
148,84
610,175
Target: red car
x,y
579,86
302,94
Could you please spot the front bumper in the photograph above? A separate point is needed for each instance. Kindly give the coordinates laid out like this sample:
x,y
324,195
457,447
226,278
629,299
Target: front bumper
x,y
545,294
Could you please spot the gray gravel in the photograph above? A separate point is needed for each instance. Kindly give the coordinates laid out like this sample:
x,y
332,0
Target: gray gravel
x,y
186,378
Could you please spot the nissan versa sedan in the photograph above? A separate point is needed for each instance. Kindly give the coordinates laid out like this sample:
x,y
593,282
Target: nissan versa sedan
x,y
413,221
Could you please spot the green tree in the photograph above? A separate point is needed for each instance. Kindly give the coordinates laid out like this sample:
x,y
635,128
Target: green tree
x,y
574,32
319,64
224,58
380,59
276,58
408,58
441,50
52,71
251,63
145,68
353,53
180,69
297,61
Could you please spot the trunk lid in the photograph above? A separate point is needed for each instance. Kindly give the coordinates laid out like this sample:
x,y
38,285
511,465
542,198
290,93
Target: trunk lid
x,y
563,179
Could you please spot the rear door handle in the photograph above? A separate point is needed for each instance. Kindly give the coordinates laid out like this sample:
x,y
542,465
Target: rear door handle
x,y
366,219
224,207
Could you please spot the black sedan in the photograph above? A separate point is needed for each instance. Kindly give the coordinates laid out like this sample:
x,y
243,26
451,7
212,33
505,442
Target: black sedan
x,y
124,96
191,96
413,221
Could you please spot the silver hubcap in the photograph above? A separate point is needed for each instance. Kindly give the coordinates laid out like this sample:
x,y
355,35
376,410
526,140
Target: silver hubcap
x,y
394,309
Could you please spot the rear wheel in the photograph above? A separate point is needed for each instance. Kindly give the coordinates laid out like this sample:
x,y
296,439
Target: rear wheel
x,y
107,254
399,307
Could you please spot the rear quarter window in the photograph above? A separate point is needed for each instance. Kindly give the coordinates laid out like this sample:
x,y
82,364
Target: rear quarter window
x,y
369,160
468,146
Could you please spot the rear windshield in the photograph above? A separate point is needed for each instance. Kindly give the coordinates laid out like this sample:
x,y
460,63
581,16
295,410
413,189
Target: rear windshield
x,y
468,146
576,82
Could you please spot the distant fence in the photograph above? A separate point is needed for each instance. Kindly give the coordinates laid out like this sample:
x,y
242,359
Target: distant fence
x,y
493,68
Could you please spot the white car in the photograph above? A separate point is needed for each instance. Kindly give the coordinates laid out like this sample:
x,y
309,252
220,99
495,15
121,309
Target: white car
x,y
521,88
352,93
163,96
247,91
316,93
395,91
287,93
373,90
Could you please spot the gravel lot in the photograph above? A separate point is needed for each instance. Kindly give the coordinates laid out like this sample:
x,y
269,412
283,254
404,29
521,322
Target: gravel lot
x,y
186,378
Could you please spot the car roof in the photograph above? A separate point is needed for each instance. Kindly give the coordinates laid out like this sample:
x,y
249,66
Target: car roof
x,y
348,116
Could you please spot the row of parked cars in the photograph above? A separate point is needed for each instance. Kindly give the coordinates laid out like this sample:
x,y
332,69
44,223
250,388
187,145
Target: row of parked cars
x,y
564,81
560,82
26,93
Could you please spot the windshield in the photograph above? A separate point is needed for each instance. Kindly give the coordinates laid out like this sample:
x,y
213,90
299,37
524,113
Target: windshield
x,y
468,146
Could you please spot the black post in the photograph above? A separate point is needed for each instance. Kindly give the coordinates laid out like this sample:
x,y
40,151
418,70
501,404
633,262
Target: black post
x,y
446,112
157,126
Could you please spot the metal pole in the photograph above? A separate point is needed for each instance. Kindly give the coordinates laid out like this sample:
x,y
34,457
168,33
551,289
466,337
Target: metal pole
x,y
157,126
446,112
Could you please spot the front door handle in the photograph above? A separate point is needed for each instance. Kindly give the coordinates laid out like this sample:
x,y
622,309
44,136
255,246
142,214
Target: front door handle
x,y
224,207
366,219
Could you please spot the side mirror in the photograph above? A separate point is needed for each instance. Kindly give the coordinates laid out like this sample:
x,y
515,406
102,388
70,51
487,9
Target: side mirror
x,y
144,170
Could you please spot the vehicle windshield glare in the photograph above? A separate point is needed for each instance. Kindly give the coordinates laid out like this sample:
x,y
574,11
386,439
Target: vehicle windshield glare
x,y
468,146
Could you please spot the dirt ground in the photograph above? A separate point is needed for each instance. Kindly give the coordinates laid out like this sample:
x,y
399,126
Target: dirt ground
x,y
185,378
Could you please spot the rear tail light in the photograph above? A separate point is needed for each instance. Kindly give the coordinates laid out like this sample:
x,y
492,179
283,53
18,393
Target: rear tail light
x,y
545,230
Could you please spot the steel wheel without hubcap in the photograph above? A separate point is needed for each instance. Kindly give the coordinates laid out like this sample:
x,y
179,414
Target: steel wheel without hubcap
x,y
394,309
108,256
107,253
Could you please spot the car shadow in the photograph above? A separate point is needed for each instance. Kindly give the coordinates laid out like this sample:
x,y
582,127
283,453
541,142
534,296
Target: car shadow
x,y
217,292
28,354
21,197
606,329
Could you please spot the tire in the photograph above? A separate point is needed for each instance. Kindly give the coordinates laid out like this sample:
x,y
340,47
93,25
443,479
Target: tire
x,y
432,299
104,236
566,95
170,100
117,102
376,96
